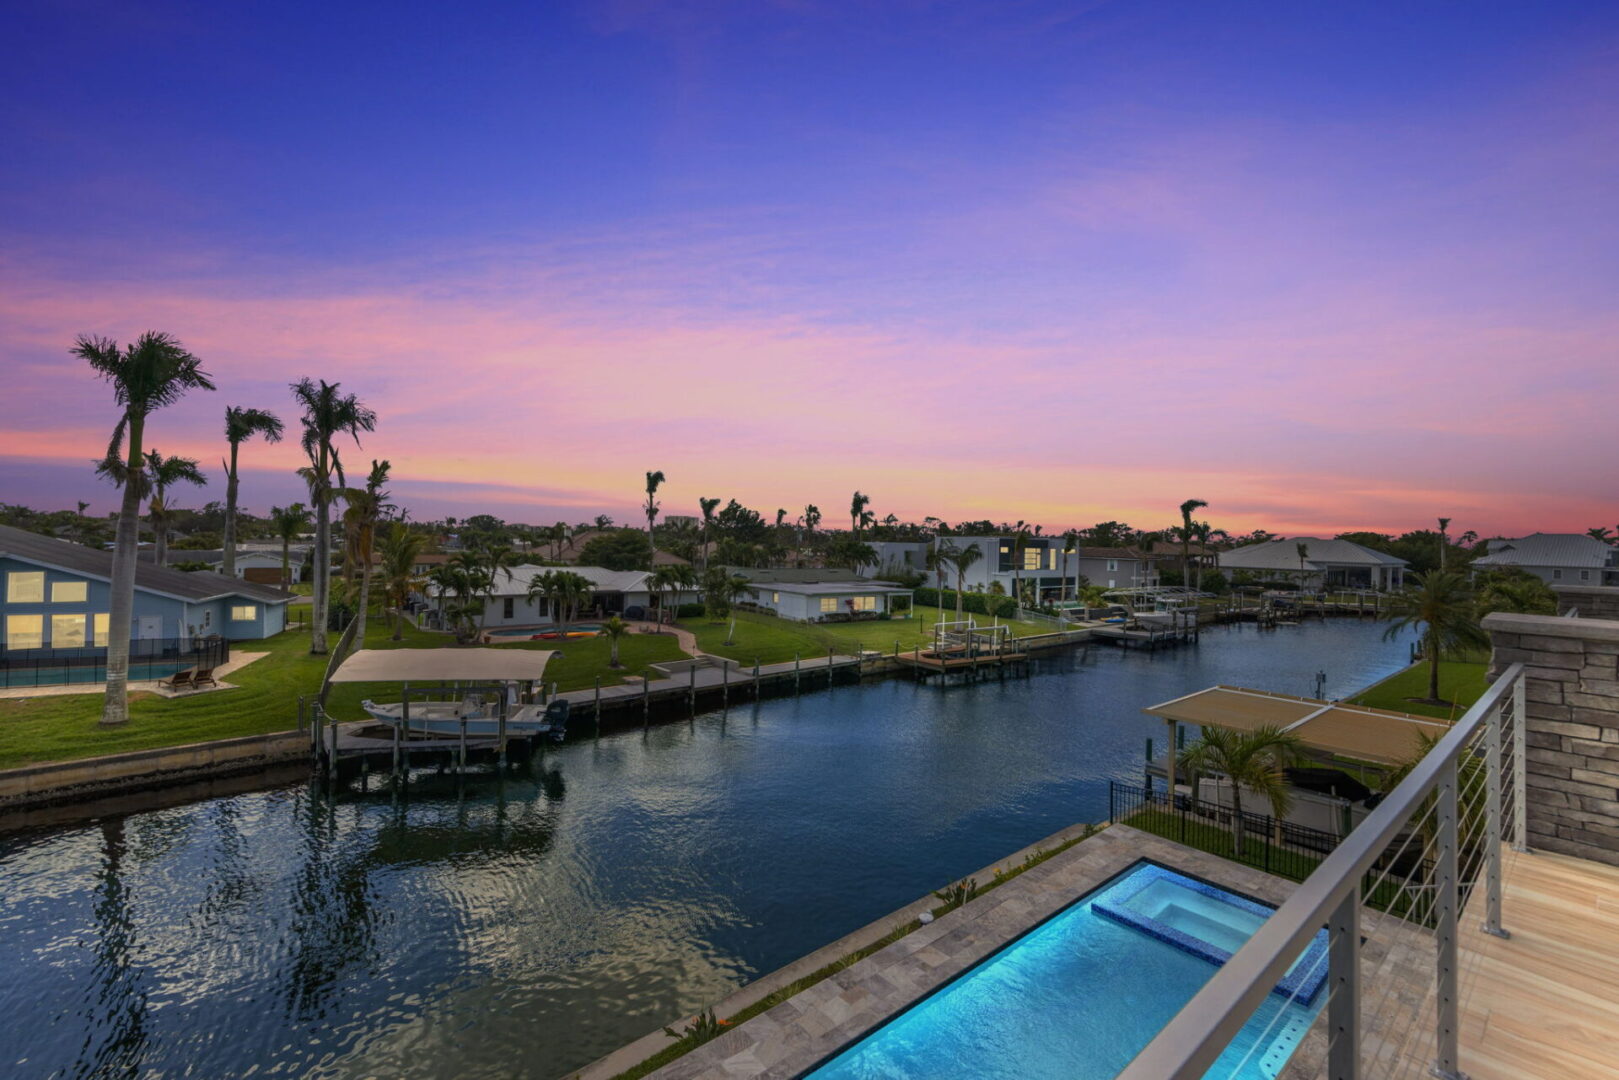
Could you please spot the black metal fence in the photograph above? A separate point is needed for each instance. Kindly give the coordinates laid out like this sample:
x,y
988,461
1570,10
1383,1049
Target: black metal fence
x,y
1276,847
149,658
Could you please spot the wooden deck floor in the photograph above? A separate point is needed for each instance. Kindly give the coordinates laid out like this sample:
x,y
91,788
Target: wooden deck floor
x,y
1545,1003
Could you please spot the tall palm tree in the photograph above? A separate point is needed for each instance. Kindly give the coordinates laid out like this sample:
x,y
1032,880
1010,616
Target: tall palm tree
x,y
1440,606
1255,760
241,424
1444,523
151,373
365,508
1596,532
857,512
288,523
963,559
161,474
1070,544
399,546
708,506
1187,508
1303,550
1020,540
654,480
327,414
812,518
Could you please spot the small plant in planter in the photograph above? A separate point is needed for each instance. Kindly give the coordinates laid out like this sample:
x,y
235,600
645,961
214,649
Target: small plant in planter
x,y
956,895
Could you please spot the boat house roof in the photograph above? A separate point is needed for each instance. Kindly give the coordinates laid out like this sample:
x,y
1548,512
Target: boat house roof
x,y
1380,736
444,665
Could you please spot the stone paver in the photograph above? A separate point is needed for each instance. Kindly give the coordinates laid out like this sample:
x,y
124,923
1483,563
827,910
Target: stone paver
x,y
236,663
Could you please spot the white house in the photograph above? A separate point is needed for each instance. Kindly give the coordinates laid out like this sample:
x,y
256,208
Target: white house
x,y
614,592
1042,563
1556,558
828,601
1322,564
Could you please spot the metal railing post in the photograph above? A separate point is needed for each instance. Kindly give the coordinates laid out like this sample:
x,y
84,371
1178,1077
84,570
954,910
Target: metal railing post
x,y
1343,980
1446,972
1492,824
1520,768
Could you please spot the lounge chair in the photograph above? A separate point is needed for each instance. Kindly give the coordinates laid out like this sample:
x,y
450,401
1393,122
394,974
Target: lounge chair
x,y
180,680
203,678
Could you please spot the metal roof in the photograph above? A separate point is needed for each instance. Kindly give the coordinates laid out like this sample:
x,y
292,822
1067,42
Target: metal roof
x,y
1549,549
1380,736
193,586
829,588
444,665
1319,553
601,580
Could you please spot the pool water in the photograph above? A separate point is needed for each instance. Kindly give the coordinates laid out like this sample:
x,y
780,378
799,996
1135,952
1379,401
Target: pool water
x,y
1077,998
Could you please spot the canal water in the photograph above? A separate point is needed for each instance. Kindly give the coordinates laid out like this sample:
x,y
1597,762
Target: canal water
x,y
524,925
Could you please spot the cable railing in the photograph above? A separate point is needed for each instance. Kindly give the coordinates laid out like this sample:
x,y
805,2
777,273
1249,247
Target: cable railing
x,y
1391,895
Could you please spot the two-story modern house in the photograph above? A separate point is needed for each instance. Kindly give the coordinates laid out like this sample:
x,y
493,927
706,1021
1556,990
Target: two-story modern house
x,y
55,594
1041,563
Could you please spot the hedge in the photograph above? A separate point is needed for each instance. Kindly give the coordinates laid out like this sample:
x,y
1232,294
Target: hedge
x,y
977,603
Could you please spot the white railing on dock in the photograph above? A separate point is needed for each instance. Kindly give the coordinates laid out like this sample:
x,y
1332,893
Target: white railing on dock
x,y
1392,897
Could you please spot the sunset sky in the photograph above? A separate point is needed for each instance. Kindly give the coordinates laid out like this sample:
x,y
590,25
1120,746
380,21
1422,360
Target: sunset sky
x,y
1325,266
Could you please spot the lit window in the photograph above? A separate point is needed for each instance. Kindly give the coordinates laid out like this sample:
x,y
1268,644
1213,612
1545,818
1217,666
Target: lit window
x,y
1031,558
865,603
67,631
69,592
26,587
1006,549
25,631
249,612
103,628
775,598
829,604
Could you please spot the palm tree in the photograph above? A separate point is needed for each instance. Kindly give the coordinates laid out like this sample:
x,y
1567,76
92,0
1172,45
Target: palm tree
x,y
653,481
153,372
1255,760
1186,537
962,559
708,506
857,512
1444,523
288,523
1303,550
161,474
1597,532
1070,543
241,424
614,629
398,548
327,414
812,518
365,507
1020,540
1440,606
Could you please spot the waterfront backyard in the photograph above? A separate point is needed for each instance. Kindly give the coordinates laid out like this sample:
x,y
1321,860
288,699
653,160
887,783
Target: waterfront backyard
x,y
480,925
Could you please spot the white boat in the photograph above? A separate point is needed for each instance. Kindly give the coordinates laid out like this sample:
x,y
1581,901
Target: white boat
x,y
482,719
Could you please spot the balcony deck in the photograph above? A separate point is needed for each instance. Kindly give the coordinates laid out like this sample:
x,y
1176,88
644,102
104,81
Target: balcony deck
x,y
1544,1002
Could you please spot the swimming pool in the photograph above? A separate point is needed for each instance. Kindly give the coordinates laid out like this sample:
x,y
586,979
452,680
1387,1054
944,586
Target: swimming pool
x,y
1079,996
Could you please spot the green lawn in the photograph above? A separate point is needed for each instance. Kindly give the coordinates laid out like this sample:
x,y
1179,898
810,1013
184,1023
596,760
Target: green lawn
x,y
1460,681
772,640
266,694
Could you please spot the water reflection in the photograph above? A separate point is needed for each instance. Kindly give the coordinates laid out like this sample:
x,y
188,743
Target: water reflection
x,y
527,923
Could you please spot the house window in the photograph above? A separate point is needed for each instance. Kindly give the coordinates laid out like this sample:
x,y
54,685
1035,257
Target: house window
x,y
775,598
67,631
829,604
103,628
25,631
69,592
508,608
1112,566
865,603
1032,557
207,618
25,587
1585,575
243,613
1557,575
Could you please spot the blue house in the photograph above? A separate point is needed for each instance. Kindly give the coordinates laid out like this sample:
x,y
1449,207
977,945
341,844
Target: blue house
x,y
55,596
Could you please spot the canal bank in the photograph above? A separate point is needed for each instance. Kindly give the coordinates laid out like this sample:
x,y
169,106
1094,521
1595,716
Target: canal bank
x,y
535,920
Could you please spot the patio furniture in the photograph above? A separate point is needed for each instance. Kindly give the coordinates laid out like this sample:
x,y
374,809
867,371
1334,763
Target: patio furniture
x,y
202,678
180,680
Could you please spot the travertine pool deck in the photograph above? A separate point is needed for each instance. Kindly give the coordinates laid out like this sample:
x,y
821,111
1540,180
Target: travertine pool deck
x,y
799,1033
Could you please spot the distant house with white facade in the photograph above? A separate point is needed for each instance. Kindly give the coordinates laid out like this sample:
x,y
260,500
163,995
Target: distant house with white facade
x,y
1042,563
1324,563
832,594
1556,558
57,595
613,592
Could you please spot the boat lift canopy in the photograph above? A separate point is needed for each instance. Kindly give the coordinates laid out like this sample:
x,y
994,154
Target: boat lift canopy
x,y
1379,736
444,665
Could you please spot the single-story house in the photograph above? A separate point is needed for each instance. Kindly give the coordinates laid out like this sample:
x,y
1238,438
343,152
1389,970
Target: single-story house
x,y
829,601
57,595
614,592
1323,564
426,562
1556,558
